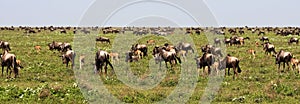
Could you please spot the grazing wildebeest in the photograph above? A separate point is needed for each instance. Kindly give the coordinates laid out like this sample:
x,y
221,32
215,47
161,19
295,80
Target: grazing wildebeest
x,y
9,60
263,39
65,47
167,54
295,64
67,57
130,57
5,45
284,57
293,39
143,48
102,57
230,62
227,42
63,31
185,46
103,39
269,48
206,59
55,46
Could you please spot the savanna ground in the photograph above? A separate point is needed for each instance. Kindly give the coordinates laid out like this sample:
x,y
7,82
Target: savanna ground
x,y
44,79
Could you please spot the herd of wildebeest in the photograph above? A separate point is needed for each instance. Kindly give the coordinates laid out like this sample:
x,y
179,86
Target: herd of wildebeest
x,y
212,56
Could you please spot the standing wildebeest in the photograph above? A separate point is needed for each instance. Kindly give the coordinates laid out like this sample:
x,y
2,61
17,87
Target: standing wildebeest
x,y
284,57
167,54
217,41
269,48
102,57
185,46
65,47
4,45
263,39
55,46
103,39
9,60
67,57
230,62
207,59
293,39
143,48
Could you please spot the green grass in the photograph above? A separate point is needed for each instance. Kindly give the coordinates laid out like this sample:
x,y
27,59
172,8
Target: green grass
x,y
45,79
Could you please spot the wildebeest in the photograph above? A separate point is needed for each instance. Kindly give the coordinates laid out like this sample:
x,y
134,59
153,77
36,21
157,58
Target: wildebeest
x,y
269,48
206,59
103,39
293,40
284,57
230,62
185,46
9,60
5,45
101,59
217,41
168,55
65,47
263,39
55,46
67,57
143,48
130,57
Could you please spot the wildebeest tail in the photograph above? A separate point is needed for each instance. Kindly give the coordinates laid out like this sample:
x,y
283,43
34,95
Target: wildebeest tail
x,y
238,66
14,65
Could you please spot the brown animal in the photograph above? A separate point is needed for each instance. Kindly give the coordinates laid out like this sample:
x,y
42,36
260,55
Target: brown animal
x,y
252,52
295,63
81,61
230,62
101,59
9,60
269,48
114,57
103,39
284,57
37,48
151,42
67,57
5,45
207,59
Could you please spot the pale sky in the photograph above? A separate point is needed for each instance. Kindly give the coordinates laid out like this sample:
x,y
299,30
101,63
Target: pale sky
x,y
226,12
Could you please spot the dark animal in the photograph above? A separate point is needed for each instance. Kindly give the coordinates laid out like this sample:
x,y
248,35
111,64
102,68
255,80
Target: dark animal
x,y
206,59
230,62
269,48
294,40
69,56
5,45
185,46
283,57
263,39
101,59
9,60
103,39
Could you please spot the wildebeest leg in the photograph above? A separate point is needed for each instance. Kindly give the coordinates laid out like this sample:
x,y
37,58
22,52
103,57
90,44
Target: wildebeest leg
x,y
105,68
283,66
228,71
209,70
235,72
